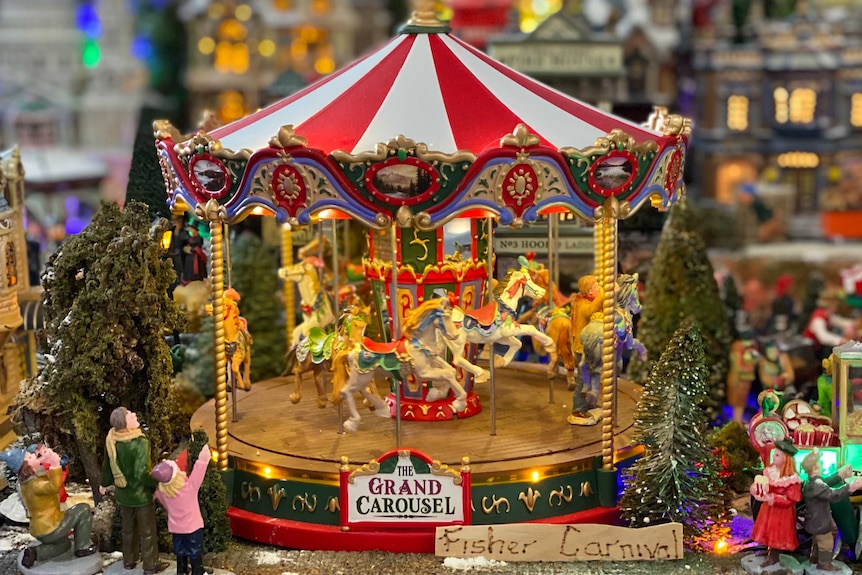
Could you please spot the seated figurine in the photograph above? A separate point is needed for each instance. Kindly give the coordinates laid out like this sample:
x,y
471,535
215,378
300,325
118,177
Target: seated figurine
x,y
40,490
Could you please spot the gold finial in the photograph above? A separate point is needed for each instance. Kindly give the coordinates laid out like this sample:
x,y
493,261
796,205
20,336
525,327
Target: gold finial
x,y
424,15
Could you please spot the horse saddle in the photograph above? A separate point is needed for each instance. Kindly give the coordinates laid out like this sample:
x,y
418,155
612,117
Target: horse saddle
x,y
484,315
317,340
396,347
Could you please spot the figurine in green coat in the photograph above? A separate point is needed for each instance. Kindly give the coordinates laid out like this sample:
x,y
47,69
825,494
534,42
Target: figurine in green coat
x,y
127,467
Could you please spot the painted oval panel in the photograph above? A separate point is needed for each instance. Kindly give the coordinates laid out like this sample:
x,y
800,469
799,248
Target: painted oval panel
x,y
210,176
612,173
402,183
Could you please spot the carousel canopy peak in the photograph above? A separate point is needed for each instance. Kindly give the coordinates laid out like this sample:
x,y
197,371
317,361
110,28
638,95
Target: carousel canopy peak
x,y
424,19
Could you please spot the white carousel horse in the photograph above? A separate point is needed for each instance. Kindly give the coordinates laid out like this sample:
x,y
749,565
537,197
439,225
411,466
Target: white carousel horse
x,y
627,304
316,303
495,323
416,352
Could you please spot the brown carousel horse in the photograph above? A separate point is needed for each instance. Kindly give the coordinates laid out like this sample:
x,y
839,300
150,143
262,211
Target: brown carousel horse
x,y
314,354
237,340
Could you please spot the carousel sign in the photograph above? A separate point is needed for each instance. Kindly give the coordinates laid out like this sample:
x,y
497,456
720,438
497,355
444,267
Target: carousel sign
x,y
560,57
404,487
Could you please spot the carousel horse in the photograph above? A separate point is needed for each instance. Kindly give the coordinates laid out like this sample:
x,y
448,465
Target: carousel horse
x,y
417,352
627,304
316,303
495,323
315,353
237,340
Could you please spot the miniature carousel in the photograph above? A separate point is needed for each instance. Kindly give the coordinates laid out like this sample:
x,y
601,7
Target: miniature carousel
x,y
454,442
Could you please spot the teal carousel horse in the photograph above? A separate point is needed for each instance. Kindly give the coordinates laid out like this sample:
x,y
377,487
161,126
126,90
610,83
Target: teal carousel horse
x,y
627,304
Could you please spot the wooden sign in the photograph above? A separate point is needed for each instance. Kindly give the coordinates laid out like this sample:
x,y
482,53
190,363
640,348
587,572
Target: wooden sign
x,y
542,542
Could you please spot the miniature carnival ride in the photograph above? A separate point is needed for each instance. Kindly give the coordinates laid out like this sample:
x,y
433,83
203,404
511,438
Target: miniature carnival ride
x,y
483,145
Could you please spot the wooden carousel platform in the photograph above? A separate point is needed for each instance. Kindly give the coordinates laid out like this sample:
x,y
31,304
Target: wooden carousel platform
x,y
284,460
531,432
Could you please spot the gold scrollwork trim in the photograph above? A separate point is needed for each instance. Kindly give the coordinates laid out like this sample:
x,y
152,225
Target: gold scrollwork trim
x,y
370,468
520,137
249,491
163,129
443,470
612,208
276,494
332,505
495,505
212,211
305,503
668,124
613,140
562,494
420,242
382,151
586,489
287,138
529,498
457,269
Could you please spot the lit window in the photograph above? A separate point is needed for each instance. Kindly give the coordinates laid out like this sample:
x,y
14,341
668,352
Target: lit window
x,y
737,113
781,97
856,110
798,106
798,160
282,5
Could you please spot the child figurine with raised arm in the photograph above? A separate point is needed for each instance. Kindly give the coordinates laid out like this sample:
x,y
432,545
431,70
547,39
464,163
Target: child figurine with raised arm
x,y
818,516
178,492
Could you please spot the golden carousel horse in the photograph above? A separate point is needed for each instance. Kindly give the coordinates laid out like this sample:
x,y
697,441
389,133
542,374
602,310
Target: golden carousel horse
x,y
237,340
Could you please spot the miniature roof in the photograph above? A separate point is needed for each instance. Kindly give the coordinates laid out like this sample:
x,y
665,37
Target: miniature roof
x,y
432,88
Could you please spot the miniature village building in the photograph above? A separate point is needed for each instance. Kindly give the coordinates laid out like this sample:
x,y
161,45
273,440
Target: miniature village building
x,y
781,102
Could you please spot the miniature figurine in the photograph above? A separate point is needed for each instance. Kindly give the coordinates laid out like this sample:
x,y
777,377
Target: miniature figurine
x,y
783,318
776,370
178,493
194,257
588,301
779,489
769,227
818,515
823,321
824,387
40,491
127,467
743,369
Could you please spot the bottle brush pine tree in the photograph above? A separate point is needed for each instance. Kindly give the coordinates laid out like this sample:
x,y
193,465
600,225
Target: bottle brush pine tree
x,y
681,284
107,309
677,478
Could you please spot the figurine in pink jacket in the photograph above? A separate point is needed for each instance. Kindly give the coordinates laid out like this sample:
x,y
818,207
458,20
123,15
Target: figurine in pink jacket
x,y
178,493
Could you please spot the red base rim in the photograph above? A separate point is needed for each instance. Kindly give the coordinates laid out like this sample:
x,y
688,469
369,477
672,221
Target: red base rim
x,y
295,535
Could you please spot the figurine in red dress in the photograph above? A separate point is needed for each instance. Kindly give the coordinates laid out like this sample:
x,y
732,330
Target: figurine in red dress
x,y
779,489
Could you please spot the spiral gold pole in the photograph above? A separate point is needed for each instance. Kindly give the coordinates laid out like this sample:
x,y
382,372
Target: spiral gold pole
x,y
608,230
289,301
215,215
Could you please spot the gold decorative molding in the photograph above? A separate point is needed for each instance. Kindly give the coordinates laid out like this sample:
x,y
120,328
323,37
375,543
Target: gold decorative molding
x,y
424,14
529,498
495,505
612,208
275,495
420,242
404,217
521,137
370,468
562,494
332,505
212,211
249,491
163,130
457,269
345,463
383,151
668,124
287,138
305,503
465,464
586,489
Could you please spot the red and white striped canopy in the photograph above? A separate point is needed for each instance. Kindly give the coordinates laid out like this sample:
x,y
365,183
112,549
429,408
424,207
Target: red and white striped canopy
x,y
433,89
